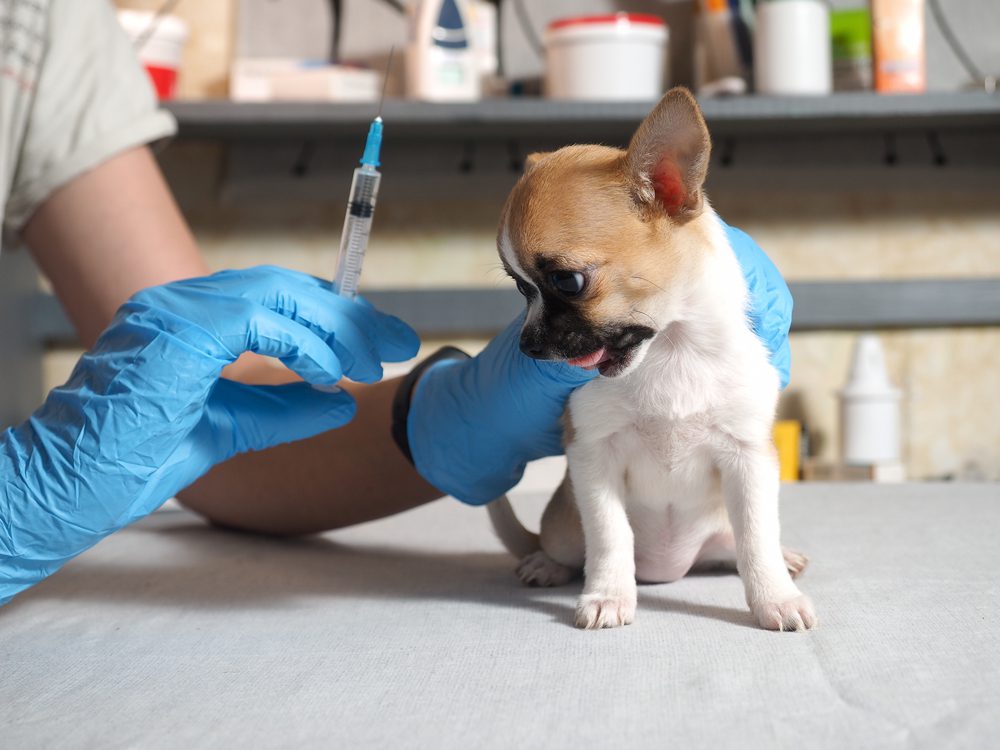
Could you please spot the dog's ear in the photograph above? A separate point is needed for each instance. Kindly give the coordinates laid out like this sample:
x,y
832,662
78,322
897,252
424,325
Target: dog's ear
x,y
667,160
532,160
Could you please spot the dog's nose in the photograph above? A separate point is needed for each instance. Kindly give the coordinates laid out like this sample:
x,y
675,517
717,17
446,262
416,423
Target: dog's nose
x,y
534,351
533,345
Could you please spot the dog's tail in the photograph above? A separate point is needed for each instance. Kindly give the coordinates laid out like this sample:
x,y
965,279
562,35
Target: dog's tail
x,y
517,539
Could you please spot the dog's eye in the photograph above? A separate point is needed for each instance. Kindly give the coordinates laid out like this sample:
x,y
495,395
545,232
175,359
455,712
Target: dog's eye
x,y
568,283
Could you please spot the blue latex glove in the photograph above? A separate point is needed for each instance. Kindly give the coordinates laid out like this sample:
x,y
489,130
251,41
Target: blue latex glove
x,y
145,413
770,310
474,424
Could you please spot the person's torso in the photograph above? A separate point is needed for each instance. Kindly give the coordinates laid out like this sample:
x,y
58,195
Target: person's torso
x,y
23,29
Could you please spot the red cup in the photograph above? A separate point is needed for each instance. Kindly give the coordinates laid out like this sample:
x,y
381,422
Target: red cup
x,y
159,44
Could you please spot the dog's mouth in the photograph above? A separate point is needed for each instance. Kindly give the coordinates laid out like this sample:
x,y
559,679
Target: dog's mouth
x,y
606,360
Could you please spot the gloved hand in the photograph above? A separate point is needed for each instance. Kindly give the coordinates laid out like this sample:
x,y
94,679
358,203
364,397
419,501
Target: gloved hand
x,y
145,413
770,310
474,424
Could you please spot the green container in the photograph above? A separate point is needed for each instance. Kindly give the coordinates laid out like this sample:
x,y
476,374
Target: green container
x,y
851,37
851,33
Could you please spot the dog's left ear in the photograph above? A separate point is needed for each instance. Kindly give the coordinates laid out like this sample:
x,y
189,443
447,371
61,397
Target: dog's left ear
x,y
667,160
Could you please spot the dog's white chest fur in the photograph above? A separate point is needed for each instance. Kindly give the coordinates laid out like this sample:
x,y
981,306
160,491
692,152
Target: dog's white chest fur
x,y
657,450
704,385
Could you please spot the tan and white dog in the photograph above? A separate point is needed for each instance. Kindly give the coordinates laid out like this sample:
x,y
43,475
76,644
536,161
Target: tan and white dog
x,y
627,269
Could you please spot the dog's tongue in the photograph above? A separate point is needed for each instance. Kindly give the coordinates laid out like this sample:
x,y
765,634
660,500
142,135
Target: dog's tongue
x,y
588,361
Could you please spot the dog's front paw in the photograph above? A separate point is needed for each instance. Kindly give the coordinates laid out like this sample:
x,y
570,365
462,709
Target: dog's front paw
x,y
595,611
796,613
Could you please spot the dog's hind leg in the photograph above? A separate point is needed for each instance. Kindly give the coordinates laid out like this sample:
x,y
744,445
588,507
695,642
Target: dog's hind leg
x,y
719,553
561,557
795,561
538,569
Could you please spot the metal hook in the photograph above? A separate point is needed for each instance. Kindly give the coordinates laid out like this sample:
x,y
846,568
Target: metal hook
x,y
728,152
468,161
514,157
301,166
937,150
515,160
891,157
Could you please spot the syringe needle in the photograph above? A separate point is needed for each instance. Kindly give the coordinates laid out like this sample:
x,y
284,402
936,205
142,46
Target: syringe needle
x,y
385,80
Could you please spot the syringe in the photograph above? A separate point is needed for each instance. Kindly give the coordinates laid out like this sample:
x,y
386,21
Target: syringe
x,y
360,210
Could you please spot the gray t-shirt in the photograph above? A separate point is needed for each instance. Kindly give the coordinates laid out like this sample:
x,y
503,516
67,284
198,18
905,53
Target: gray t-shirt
x,y
72,95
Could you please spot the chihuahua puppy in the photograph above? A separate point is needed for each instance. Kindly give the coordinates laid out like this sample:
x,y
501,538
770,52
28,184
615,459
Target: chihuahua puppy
x,y
627,269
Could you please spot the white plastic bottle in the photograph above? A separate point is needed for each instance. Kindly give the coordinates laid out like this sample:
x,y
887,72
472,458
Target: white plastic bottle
x,y
792,50
441,61
870,409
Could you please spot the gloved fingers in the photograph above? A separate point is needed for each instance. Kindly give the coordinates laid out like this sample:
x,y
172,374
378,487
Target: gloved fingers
x,y
770,309
782,361
260,416
361,336
394,340
297,346
564,374
398,341
368,336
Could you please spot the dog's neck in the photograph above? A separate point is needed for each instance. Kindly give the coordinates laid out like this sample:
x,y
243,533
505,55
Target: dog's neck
x,y
708,340
711,311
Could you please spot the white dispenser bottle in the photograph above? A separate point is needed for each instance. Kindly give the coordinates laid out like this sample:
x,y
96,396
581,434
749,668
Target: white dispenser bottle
x,y
441,62
869,409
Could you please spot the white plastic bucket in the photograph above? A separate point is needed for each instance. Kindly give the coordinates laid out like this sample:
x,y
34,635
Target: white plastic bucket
x,y
617,56
159,51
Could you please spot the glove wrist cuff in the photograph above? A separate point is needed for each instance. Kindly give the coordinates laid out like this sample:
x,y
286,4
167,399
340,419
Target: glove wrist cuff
x,y
404,395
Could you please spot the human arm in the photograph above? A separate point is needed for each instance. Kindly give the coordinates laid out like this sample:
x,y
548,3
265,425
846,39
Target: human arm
x,y
115,230
146,412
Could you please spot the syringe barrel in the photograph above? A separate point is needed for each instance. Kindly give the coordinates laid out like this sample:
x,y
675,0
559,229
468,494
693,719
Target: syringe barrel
x,y
357,227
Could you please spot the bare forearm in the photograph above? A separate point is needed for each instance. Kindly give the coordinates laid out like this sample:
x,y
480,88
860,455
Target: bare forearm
x,y
106,235
346,476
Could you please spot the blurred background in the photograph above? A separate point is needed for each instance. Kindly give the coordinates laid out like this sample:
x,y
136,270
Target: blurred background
x,y
858,143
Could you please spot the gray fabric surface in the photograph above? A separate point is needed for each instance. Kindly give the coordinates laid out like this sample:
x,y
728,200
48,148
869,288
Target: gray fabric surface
x,y
413,632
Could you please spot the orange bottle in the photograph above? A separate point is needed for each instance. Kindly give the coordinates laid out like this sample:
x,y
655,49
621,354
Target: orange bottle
x,y
898,38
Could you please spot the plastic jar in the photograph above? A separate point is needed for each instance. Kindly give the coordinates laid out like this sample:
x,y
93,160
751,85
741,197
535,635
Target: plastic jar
x,y
791,51
616,56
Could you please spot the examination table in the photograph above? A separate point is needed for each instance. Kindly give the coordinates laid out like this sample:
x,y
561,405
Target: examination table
x,y
413,632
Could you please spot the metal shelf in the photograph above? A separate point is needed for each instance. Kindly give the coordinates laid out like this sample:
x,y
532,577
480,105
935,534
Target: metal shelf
x,y
819,306
565,120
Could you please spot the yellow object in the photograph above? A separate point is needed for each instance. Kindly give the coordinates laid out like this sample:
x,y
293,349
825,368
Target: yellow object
x,y
787,439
